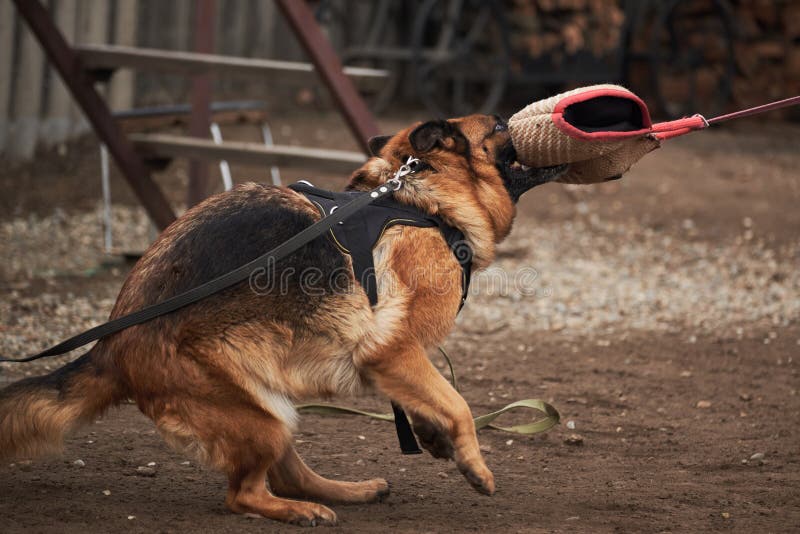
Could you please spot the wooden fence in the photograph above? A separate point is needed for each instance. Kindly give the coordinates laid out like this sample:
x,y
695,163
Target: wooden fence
x,y
37,111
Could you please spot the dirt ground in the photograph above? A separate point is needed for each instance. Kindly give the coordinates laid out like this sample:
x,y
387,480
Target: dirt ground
x,y
663,322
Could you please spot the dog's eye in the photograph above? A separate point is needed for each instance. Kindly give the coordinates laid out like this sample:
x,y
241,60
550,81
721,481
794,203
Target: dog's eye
x,y
500,127
420,166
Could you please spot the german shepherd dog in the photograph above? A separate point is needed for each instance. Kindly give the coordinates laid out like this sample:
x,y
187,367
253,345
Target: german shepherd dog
x,y
220,376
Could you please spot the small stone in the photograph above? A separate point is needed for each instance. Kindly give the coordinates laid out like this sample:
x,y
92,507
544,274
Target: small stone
x,y
704,404
577,400
572,518
757,457
79,463
745,397
151,464
571,425
131,517
186,463
686,374
359,462
143,471
574,439
510,442
402,469
442,474
693,339
618,429
362,437
486,449
106,492
725,515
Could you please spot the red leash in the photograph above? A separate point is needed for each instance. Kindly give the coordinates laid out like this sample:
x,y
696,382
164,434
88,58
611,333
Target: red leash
x,y
793,101
667,130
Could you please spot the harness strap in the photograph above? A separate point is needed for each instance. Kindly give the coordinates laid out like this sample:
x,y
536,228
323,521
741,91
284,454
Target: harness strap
x,y
359,235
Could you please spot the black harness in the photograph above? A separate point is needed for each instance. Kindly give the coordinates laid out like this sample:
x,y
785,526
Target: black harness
x,y
358,234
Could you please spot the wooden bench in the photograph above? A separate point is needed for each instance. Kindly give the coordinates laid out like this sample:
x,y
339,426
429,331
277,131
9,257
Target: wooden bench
x,y
164,146
104,59
221,112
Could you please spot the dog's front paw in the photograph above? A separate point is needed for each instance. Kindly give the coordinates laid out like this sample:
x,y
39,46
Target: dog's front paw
x,y
433,439
478,475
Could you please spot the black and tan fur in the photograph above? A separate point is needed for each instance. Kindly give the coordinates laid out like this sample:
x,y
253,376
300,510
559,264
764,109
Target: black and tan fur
x,y
219,377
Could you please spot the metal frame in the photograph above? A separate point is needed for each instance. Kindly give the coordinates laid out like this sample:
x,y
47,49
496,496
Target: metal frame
x,y
81,87
358,116
200,96
80,82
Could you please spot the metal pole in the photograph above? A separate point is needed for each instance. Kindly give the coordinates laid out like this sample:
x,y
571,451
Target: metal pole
x,y
274,171
81,86
105,181
224,168
200,119
326,61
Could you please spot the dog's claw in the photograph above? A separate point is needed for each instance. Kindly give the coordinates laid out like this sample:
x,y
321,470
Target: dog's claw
x,y
482,484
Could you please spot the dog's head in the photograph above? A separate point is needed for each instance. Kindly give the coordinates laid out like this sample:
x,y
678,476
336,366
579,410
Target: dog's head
x,y
467,174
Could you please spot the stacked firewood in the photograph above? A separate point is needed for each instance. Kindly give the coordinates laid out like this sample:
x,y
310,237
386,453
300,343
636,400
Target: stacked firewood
x,y
767,50
557,27
766,40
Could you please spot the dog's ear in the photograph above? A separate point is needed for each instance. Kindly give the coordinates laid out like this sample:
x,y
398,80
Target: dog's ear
x,y
429,134
440,134
377,143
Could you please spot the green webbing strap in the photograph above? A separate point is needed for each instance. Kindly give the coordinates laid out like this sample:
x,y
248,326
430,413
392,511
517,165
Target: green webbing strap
x,y
551,416
550,419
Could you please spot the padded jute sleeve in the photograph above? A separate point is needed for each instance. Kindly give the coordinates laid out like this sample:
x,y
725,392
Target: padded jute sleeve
x,y
543,136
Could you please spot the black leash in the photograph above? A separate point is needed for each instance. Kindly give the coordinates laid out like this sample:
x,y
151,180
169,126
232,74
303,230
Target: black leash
x,y
408,442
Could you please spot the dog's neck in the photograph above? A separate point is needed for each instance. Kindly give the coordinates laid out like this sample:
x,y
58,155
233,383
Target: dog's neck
x,y
469,211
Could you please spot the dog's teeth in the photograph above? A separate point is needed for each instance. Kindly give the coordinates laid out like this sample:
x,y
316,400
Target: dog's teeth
x,y
524,167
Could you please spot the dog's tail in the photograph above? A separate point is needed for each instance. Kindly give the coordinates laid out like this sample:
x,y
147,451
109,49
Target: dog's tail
x,y
37,413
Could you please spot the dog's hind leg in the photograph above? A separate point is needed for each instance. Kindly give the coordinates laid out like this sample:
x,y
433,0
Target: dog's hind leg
x,y
243,441
247,493
291,477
